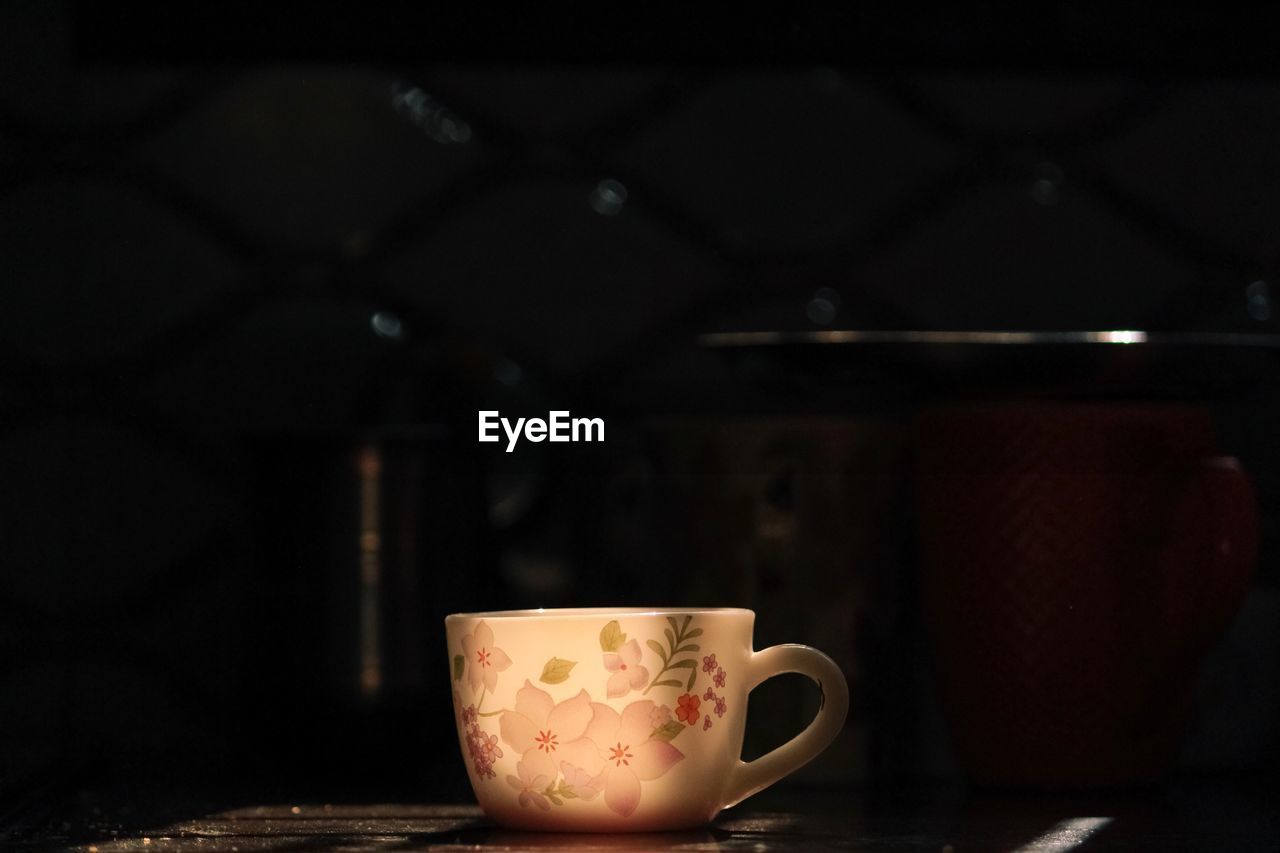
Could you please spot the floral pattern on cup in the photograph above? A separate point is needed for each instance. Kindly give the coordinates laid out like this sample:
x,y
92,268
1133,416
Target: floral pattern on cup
x,y
719,704
530,786
579,781
687,709
482,659
629,752
579,749
545,733
628,674
678,638
596,748
482,748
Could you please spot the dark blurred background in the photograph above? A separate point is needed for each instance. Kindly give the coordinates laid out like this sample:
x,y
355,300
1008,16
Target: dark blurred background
x,y
253,297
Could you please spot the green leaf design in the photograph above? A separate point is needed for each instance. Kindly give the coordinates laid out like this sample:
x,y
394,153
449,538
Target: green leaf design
x,y
556,670
555,800
668,730
677,636
611,636
458,664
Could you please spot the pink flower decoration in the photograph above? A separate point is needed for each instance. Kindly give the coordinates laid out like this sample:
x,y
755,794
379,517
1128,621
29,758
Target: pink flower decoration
x,y
530,786
628,674
709,663
709,695
625,755
583,783
483,660
707,723
721,707
718,678
546,733
469,715
660,716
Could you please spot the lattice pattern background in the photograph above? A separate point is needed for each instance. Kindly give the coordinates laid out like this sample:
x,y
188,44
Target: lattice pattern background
x,y
192,256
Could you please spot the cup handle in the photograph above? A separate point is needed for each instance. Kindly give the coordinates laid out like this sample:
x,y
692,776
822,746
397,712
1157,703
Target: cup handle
x,y
750,777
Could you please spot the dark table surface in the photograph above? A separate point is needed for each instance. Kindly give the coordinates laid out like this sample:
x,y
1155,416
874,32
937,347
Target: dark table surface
x,y
1187,814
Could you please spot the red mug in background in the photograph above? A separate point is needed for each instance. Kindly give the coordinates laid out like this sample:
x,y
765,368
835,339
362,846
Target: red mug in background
x,y
1077,560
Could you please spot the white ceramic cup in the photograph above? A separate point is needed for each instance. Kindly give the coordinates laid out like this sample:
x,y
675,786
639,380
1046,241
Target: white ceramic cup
x,y
621,719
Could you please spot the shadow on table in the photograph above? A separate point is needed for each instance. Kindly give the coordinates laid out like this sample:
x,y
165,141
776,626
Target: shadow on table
x,y
105,828
1192,814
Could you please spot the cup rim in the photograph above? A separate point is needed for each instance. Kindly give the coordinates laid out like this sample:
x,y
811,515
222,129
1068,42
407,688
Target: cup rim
x,y
595,612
